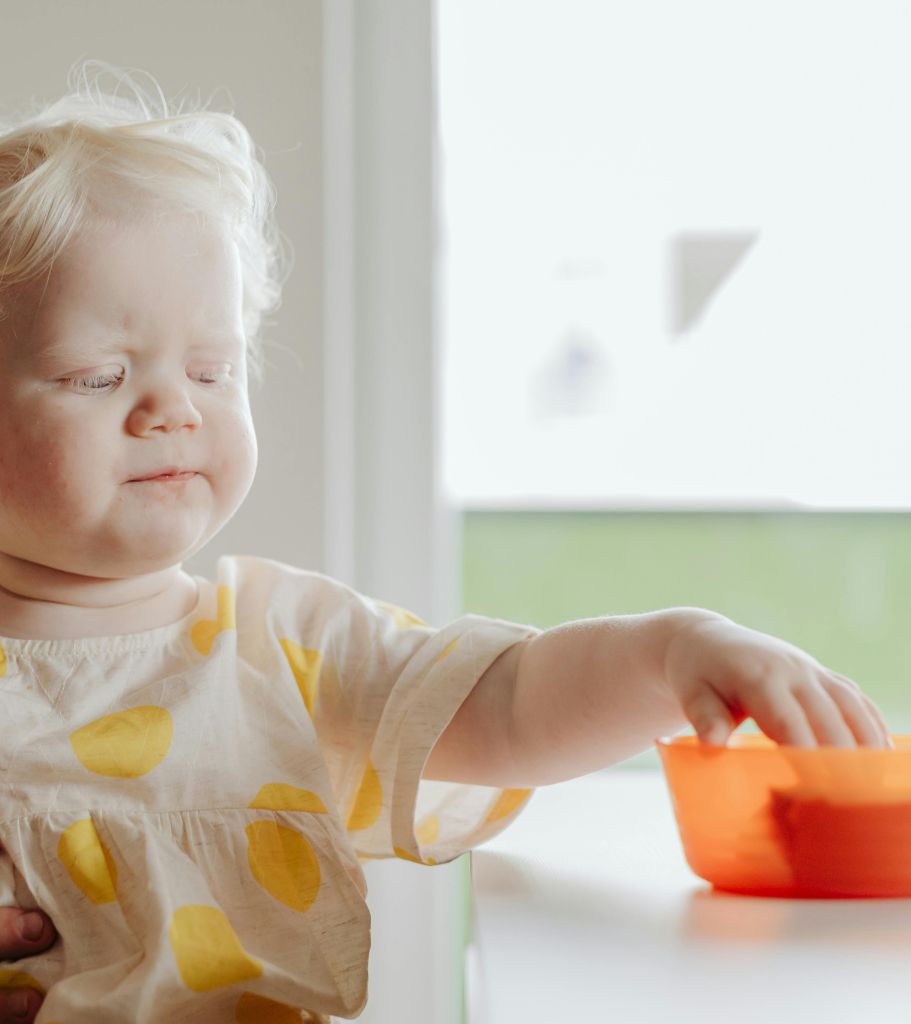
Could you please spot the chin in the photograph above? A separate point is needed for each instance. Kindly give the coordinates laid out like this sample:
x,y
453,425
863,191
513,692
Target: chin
x,y
149,558
129,570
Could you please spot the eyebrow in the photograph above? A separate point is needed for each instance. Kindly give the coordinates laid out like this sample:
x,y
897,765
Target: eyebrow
x,y
75,348
112,342
72,346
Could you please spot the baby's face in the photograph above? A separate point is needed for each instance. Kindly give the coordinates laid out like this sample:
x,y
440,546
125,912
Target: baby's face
x,y
132,363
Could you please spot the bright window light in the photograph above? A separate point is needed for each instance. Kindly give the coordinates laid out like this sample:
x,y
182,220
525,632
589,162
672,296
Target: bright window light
x,y
675,253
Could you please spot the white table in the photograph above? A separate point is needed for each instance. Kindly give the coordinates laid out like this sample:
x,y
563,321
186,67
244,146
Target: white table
x,y
586,911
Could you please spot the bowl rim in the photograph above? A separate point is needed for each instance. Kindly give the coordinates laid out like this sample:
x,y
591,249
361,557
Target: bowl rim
x,y
759,743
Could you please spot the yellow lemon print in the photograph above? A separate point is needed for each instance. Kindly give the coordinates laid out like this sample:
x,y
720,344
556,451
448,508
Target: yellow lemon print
x,y
279,796
283,863
369,801
506,803
207,950
2,661
403,619
204,632
429,830
405,855
20,979
447,649
254,1009
88,861
125,744
305,664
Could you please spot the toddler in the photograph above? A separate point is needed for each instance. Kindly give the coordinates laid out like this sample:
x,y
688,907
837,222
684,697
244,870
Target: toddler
x,y
193,770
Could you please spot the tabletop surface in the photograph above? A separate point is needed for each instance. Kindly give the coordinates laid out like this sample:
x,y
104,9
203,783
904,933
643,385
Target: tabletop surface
x,y
585,910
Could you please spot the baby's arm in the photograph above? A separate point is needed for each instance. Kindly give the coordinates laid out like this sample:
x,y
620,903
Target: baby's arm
x,y
587,694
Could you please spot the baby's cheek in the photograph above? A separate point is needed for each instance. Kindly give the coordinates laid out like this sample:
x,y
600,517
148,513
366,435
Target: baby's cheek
x,y
13,441
235,454
57,468
242,427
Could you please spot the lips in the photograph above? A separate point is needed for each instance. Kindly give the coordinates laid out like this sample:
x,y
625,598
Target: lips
x,y
166,473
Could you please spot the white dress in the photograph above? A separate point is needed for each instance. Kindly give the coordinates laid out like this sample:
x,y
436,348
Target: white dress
x,y
191,804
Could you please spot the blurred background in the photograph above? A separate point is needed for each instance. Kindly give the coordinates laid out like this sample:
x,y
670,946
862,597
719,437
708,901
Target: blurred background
x,y
675,348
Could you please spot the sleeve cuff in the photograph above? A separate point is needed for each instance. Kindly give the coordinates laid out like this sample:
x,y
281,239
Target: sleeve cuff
x,y
433,822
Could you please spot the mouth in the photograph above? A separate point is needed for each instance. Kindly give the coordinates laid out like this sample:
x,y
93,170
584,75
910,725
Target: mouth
x,y
168,475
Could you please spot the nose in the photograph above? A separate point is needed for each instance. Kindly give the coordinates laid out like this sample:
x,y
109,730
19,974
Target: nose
x,y
163,407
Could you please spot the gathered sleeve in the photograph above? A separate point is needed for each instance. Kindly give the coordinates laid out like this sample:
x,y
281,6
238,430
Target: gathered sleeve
x,y
389,685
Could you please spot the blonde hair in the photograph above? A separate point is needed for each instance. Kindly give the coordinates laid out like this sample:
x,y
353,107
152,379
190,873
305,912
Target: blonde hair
x,y
93,153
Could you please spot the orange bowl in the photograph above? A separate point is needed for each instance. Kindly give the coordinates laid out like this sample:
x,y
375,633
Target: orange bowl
x,y
765,819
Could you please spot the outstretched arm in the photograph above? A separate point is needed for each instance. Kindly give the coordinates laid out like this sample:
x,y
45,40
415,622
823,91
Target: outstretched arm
x,y
584,695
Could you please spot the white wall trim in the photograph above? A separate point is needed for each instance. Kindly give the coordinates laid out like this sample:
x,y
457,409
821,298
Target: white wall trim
x,y
386,530
338,340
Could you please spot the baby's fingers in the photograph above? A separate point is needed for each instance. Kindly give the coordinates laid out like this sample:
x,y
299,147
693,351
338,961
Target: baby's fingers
x,y
861,714
872,708
709,716
787,718
780,716
836,720
831,712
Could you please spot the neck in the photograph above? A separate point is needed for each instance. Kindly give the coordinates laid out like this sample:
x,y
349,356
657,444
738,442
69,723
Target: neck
x,y
42,603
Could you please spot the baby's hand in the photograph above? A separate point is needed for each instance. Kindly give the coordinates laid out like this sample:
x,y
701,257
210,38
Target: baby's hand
x,y
723,674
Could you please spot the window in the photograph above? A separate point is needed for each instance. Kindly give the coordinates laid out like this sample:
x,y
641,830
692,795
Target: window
x,y
676,338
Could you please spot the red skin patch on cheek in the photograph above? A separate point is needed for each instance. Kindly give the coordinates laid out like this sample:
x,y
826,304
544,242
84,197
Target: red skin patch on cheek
x,y
11,457
45,462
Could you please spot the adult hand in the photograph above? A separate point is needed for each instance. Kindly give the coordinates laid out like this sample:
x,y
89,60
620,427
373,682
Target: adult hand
x,y
22,935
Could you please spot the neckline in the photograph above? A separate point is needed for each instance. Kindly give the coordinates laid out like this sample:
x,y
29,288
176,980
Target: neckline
x,y
113,644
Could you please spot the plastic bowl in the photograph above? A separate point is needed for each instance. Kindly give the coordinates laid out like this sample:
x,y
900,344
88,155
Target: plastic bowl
x,y
764,819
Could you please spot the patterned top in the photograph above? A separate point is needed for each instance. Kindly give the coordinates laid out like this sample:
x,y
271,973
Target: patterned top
x,y
191,804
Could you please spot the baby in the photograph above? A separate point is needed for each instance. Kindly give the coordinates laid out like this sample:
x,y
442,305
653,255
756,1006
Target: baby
x,y
194,770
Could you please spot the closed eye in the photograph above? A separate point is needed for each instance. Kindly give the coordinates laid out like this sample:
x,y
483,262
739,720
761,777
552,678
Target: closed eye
x,y
98,383
103,382
214,376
